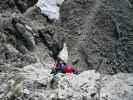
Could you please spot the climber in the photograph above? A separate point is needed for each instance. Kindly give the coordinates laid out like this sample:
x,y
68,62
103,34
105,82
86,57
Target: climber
x,y
62,67
61,63
68,69
58,66
61,60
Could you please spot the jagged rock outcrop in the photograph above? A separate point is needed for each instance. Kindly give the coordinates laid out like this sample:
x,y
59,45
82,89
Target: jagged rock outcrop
x,y
53,37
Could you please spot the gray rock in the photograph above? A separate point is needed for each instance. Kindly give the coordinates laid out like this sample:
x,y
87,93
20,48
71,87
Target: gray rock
x,y
117,87
53,38
105,29
89,85
98,34
23,5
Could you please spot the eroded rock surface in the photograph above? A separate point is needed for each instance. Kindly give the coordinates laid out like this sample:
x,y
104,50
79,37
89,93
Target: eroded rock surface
x,y
35,82
98,34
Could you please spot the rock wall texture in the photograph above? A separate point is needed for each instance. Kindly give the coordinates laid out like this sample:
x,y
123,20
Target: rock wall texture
x,y
103,30
35,82
98,34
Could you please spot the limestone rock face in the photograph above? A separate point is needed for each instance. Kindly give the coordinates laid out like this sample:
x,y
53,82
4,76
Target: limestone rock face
x,y
35,81
117,87
53,37
98,35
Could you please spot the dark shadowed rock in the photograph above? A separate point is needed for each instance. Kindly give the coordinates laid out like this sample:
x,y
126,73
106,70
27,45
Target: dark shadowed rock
x,y
23,5
53,38
7,5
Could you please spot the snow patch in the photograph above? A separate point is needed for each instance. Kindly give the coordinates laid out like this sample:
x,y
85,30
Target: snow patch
x,y
50,8
64,53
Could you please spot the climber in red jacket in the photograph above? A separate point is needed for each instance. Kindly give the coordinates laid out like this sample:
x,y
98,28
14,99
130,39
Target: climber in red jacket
x,y
62,67
68,69
61,63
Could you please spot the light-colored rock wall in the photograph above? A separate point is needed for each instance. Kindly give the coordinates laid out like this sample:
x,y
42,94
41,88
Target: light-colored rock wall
x,y
35,81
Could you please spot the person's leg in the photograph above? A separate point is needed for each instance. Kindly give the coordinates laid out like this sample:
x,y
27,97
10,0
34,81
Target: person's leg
x,y
54,71
62,71
75,71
